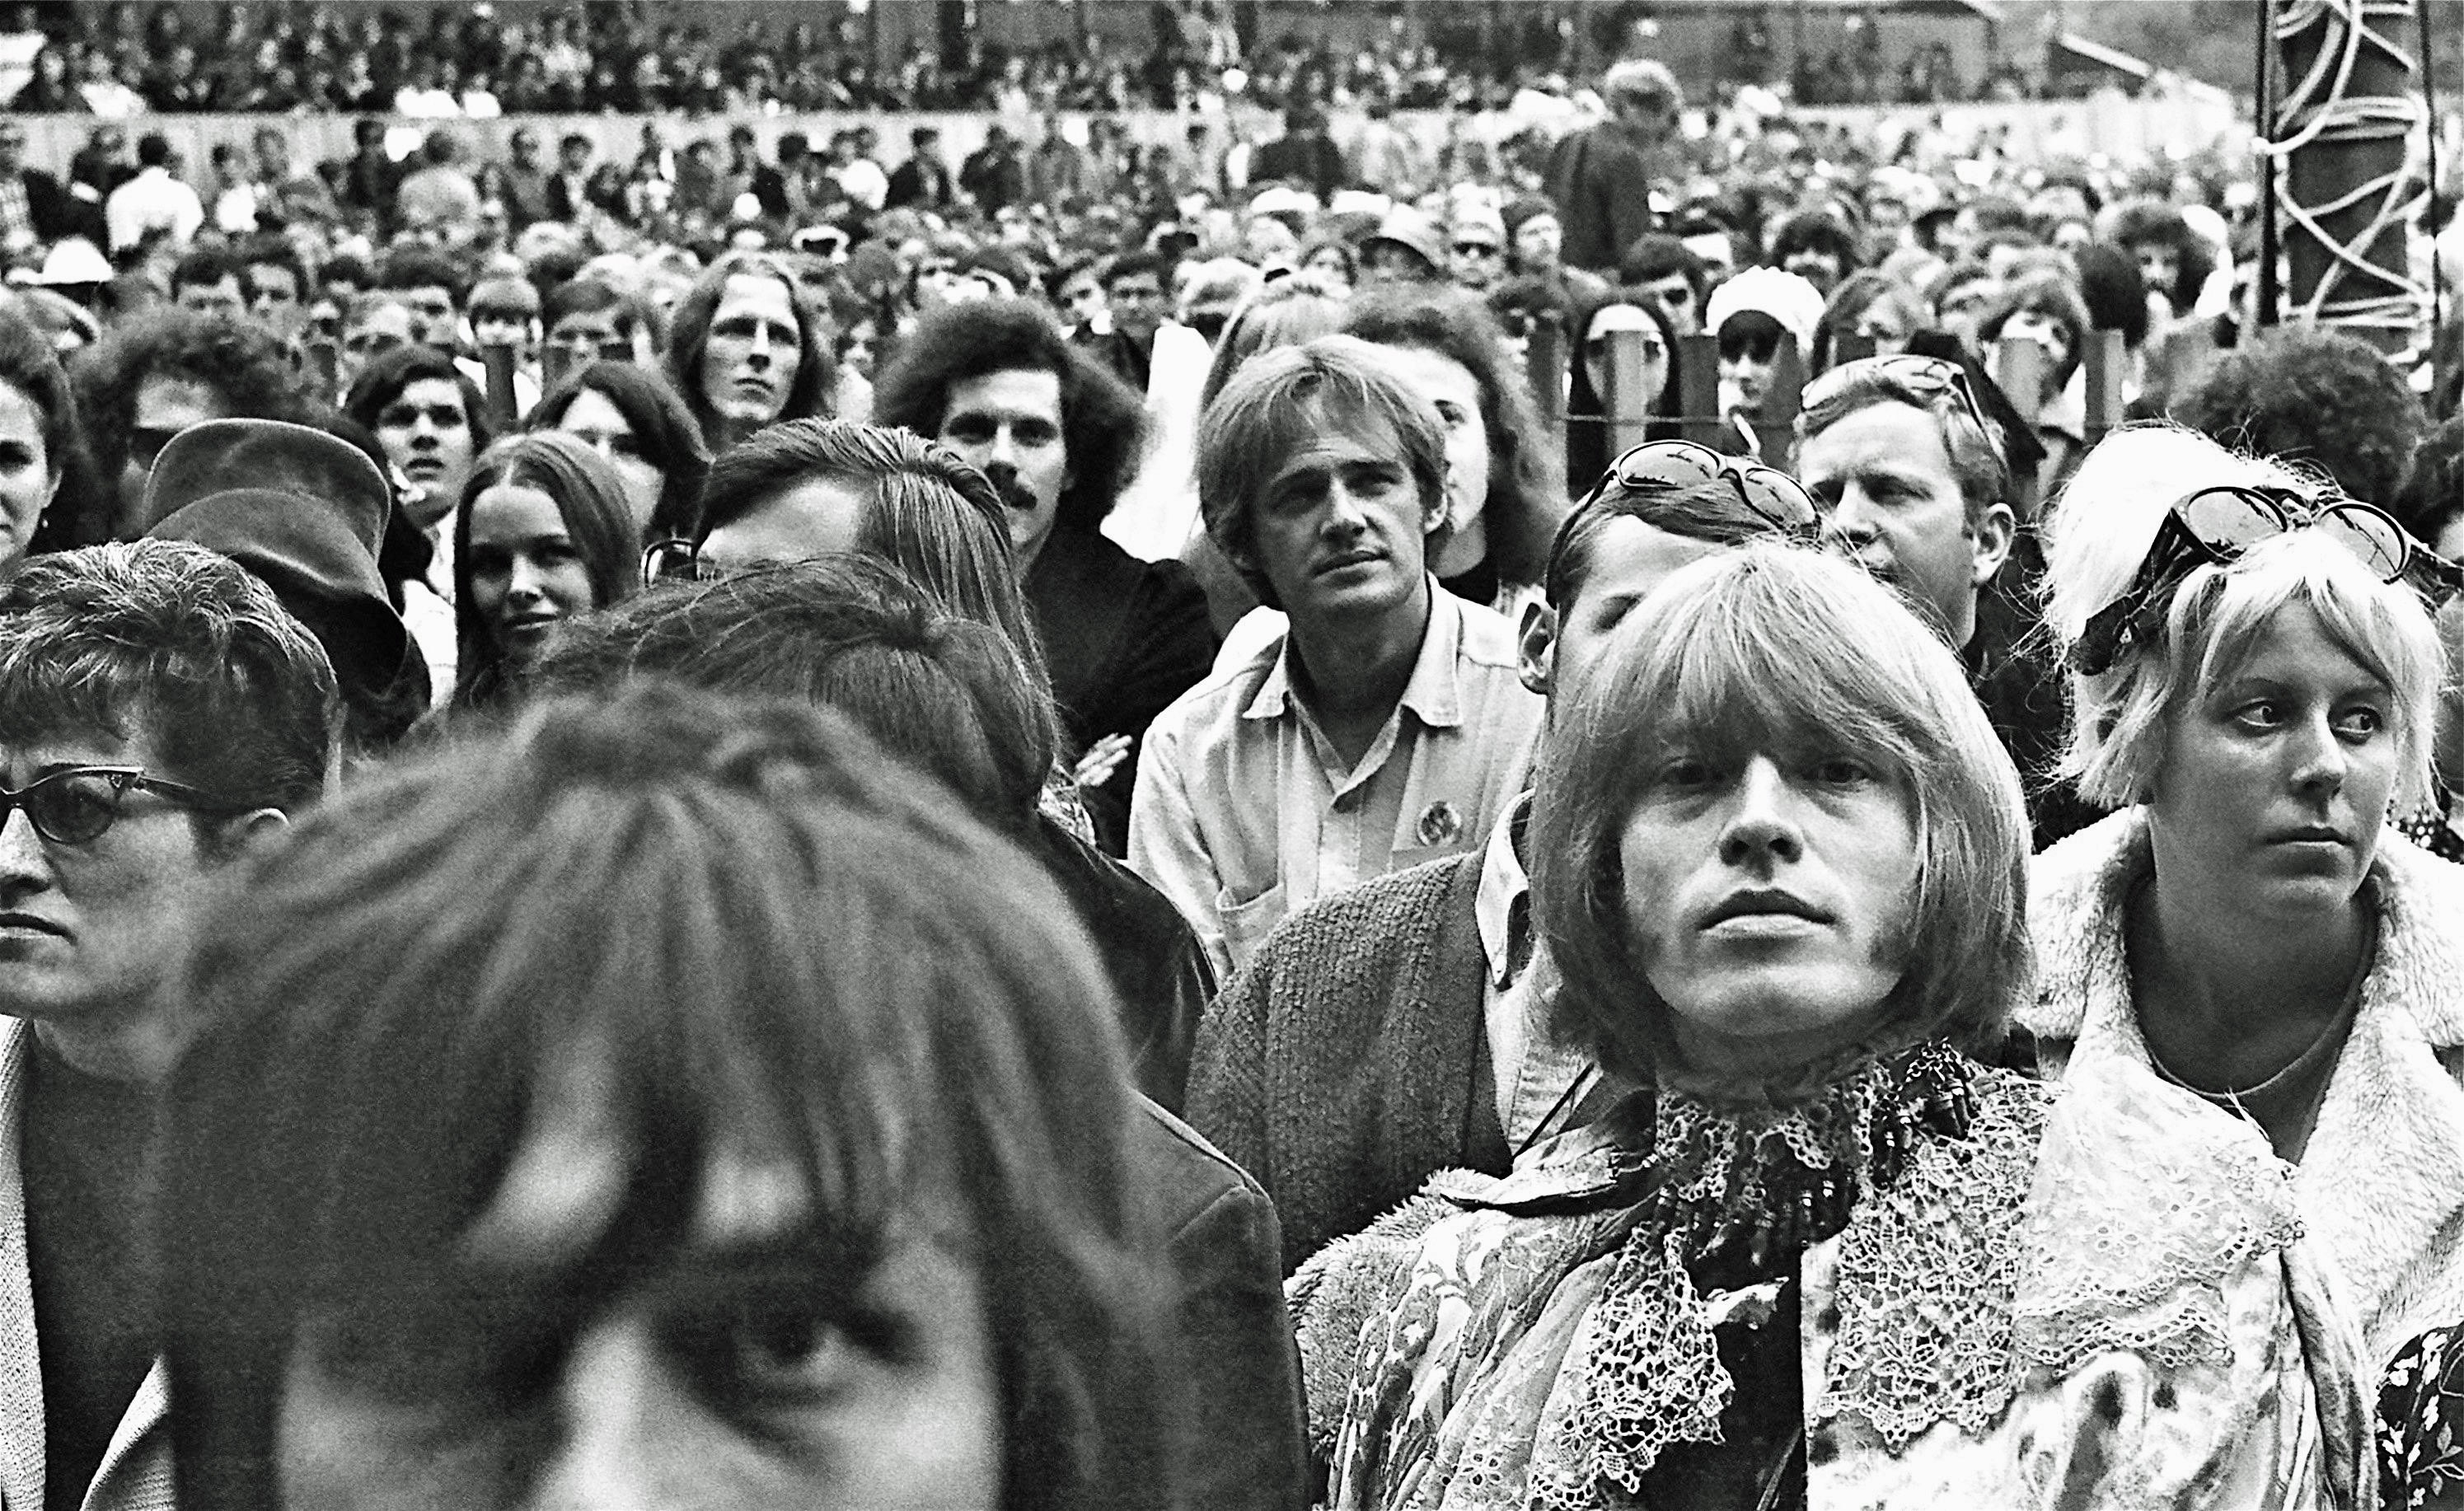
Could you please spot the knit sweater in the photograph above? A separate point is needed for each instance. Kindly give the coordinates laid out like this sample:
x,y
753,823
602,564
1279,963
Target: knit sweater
x,y
1348,1061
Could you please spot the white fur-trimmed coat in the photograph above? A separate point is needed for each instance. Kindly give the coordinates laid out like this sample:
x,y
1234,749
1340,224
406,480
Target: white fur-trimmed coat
x,y
2380,1189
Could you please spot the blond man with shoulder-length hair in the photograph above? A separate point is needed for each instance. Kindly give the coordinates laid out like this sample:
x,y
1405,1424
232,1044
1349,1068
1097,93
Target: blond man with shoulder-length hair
x,y
1823,1253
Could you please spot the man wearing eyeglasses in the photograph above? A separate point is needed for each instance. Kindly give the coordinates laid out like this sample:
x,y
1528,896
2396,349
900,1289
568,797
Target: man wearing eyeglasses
x,y
162,712
1476,247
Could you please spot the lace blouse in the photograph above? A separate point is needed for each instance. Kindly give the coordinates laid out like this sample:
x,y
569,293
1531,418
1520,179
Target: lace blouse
x,y
2098,1300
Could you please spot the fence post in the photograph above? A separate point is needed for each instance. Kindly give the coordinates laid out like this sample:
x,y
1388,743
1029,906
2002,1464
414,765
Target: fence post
x,y
325,368
1698,389
497,358
1783,397
2108,363
1543,363
1626,408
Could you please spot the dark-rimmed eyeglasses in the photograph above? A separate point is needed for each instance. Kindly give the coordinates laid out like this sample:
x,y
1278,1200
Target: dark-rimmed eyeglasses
x,y
2216,525
1477,248
77,804
1924,378
665,563
1774,496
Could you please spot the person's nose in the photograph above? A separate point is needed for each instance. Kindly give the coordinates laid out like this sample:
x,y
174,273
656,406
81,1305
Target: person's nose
x,y
2320,758
1347,514
1762,829
623,1422
25,867
522,583
1849,525
757,353
1004,451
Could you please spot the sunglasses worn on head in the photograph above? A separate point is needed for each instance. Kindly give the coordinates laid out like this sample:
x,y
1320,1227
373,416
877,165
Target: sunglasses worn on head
x,y
78,804
2216,525
1923,379
1774,496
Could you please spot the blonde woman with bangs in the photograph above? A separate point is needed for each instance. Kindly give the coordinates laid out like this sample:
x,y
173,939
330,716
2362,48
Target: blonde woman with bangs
x,y
1815,1257
2244,966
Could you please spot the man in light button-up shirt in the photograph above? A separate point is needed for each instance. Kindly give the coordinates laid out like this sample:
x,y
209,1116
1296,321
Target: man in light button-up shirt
x,y
1387,726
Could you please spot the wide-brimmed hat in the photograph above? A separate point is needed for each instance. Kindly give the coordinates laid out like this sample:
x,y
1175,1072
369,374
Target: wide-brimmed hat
x,y
304,512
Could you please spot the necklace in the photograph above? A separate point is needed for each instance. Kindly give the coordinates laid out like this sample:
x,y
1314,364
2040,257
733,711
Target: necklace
x,y
1734,1190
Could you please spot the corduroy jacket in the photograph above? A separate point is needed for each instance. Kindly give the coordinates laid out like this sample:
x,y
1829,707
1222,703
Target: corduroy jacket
x,y
1348,1061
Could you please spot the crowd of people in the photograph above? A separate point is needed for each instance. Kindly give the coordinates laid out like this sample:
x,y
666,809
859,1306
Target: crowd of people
x,y
122,57
998,835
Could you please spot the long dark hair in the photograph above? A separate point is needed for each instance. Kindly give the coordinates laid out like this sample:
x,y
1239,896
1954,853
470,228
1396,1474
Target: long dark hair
x,y
1527,497
665,429
689,337
589,499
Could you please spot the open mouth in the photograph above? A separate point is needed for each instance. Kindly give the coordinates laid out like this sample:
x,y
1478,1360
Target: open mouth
x,y
1346,560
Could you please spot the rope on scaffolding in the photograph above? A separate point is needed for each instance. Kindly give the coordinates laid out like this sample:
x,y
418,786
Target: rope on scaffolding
x,y
2321,108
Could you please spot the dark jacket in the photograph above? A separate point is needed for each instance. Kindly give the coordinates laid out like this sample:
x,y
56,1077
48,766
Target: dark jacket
x,y
1601,183
50,209
1243,1445
997,178
1348,1061
1125,359
1159,969
1124,638
1311,159
919,181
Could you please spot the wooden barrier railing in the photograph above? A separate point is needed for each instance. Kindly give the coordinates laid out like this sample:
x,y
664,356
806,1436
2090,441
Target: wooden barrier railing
x,y
2018,365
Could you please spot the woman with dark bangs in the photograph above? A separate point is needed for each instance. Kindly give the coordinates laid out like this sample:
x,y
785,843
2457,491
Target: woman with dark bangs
x,y
632,416
544,1154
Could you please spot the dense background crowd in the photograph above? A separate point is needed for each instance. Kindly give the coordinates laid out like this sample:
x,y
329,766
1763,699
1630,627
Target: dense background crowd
x,y
124,56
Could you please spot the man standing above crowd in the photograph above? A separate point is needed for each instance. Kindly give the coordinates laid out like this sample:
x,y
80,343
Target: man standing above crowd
x,y
1386,725
153,203
1601,175
923,180
995,381
33,208
1135,297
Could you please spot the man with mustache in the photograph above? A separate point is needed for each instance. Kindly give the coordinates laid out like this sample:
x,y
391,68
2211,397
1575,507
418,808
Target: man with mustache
x,y
997,381
1386,725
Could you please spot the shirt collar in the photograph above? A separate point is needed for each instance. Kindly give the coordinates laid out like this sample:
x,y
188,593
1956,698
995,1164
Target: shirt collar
x,y
1435,692
1502,904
